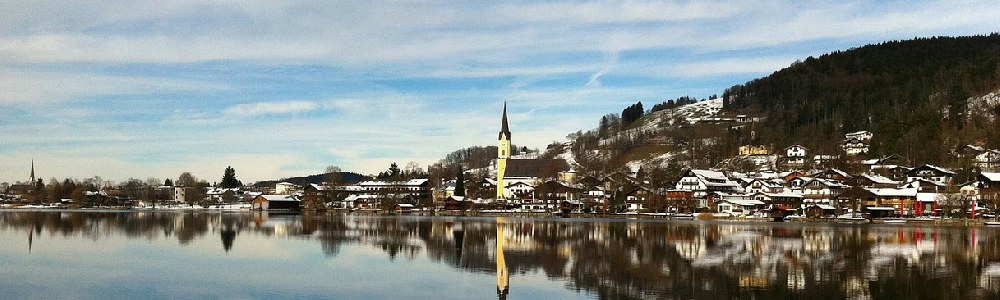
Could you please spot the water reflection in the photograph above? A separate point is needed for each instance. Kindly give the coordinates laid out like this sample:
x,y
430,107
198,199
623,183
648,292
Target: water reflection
x,y
600,258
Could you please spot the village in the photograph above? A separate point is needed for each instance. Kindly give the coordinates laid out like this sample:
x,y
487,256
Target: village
x,y
873,189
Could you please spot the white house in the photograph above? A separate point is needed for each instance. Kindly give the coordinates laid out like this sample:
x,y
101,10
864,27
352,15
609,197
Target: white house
x,y
796,155
285,188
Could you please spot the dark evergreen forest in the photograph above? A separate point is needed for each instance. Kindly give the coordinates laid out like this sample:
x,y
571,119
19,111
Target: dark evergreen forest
x,y
911,94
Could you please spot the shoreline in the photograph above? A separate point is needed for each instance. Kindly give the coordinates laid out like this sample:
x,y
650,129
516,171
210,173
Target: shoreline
x,y
516,214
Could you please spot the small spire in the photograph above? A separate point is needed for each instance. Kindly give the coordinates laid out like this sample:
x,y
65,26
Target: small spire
x,y
504,129
32,171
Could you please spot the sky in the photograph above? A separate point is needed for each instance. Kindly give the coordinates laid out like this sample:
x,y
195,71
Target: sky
x,y
139,89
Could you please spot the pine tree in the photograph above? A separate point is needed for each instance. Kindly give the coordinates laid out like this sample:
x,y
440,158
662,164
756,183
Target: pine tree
x,y
229,179
460,182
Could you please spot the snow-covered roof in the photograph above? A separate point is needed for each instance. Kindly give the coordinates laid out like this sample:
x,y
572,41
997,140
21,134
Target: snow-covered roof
x,y
783,194
935,168
879,179
927,197
411,182
903,192
709,174
743,202
278,197
825,207
991,176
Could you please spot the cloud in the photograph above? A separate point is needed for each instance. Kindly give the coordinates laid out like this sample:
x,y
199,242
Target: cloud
x,y
290,87
264,108
26,85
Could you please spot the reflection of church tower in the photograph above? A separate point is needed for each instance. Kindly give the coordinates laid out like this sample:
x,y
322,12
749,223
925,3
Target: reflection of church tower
x,y
503,282
228,236
31,234
503,153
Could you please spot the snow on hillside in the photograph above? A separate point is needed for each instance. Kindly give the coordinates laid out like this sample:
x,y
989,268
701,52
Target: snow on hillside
x,y
983,105
690,113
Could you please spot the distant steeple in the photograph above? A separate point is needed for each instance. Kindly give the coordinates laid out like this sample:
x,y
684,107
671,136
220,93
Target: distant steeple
x,y
32,180
504,129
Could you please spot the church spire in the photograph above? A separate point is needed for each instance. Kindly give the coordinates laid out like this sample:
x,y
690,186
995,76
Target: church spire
x,y
32,172
504,129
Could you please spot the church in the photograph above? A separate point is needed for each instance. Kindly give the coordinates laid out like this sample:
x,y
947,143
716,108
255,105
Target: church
x,y
517,177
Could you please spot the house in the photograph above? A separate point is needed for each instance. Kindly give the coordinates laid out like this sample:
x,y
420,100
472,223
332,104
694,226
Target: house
x,y
795,156
834,174
551,193
930,173
821,190
681,201
988,160
856,143
456,203
821,210
755,150
703,182
518,190
316,196
761,185
272,202
901,200
820,160
783,200
989,186
403,208
859,135
738,206
285,188
639,199
875,181
411,191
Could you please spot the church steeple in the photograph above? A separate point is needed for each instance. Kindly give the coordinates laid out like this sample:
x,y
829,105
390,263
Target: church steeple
x,y
504,129
503,153
32,179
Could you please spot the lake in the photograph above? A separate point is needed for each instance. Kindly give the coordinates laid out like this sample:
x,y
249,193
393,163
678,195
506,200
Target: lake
x,y
241,255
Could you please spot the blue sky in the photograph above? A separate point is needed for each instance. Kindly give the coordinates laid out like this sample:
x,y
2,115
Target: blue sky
x,y
143,89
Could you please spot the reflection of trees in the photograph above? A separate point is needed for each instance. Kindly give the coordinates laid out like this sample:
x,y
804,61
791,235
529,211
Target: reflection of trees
x,y
615,259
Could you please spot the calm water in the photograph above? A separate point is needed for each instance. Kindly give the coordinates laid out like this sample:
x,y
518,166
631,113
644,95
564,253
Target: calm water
x,y
185,255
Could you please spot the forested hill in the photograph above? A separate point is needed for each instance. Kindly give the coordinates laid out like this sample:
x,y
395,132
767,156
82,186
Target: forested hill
x,y
913,95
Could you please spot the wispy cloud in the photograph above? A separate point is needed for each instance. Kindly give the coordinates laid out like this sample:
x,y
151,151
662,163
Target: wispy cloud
x,y
264,108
